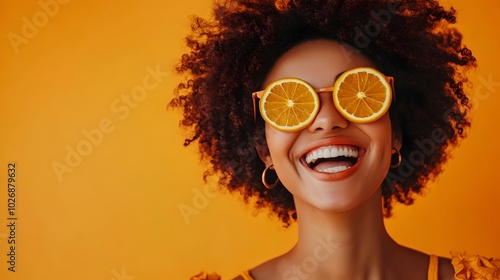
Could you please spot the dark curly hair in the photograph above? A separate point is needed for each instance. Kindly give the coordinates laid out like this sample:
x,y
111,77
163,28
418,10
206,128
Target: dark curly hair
x,y
231,53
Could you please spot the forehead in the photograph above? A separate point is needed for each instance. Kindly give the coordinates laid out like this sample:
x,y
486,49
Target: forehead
x,y
317,62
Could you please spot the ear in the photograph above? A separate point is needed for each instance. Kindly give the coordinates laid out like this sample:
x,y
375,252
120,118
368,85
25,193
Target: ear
x,y
264,155
397,138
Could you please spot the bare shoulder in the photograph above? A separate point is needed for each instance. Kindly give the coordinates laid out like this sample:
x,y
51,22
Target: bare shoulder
x,y
266,270
271,269
445,269
415,263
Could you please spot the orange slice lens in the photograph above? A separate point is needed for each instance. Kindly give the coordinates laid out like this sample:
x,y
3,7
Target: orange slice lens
x,y
362,95
289,104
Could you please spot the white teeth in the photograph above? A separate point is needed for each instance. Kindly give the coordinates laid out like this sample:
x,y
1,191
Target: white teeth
x,y
335,153
320,154
327,153
332,152
333,169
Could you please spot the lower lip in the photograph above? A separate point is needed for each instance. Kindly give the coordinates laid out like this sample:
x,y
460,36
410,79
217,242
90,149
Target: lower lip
x,y
337,176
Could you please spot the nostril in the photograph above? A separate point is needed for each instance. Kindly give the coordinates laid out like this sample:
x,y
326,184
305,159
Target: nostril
x,y
328,117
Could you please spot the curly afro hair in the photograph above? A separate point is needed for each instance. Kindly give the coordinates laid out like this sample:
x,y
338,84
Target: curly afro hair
x,y
231,53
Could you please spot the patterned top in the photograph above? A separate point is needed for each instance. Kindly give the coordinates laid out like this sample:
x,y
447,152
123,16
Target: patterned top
x,y
470,267
467,267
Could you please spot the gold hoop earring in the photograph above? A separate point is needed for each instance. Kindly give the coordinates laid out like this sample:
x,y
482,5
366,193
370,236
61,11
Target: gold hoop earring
x,y
264,181
394,150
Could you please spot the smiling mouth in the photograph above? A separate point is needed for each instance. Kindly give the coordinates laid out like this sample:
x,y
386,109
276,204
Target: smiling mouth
x,y
332,159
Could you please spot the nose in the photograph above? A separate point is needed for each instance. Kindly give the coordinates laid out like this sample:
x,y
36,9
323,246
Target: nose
x,y
328,117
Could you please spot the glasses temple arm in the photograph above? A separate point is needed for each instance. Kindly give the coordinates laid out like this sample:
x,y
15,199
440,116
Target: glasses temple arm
x,y
390,80
255,95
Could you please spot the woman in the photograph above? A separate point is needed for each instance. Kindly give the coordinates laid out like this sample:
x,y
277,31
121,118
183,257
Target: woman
x,y
336,176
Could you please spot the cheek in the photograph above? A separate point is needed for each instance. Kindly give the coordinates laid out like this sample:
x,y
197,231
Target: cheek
x,y
279,143
380,133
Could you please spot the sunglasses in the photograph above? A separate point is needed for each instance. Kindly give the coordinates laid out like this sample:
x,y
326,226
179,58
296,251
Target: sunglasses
x,y
361,95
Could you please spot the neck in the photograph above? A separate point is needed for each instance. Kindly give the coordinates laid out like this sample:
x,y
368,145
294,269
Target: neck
x,y
347,245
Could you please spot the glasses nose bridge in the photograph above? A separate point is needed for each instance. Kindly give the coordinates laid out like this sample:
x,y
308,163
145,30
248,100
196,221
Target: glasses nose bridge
x,y
328,116
324,89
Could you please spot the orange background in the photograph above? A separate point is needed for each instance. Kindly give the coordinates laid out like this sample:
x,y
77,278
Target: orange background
x,y
115,213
